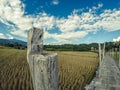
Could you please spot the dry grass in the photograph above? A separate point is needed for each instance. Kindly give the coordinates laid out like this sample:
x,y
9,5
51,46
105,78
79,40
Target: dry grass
x,y
75,70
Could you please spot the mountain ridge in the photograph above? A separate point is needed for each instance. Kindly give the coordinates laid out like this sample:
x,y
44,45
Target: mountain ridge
x,y
13,41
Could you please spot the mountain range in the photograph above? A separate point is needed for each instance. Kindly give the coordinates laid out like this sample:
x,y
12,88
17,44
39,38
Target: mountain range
x,y
13,41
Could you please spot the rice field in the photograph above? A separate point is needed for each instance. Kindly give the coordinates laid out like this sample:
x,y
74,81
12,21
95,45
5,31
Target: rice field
x,y
76,69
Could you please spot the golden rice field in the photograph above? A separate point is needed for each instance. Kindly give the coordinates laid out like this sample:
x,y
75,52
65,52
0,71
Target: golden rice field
x,y
76,69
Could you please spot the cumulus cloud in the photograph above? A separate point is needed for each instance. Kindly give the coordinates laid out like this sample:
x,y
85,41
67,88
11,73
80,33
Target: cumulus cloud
x,y
2,35
66,36
19,32
13,11
116,39
44,21
77,25
70,36
110,20
55,2
69,24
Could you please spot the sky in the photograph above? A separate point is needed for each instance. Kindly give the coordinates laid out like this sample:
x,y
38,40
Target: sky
x,y
63,21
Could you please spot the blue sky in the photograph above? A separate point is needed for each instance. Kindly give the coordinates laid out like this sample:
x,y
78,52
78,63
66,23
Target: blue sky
x,y
63,21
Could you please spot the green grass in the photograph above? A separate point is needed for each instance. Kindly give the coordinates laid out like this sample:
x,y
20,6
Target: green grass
x,y
75,70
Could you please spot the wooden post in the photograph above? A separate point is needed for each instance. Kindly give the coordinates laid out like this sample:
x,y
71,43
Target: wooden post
x,y
43,66
119,55
100,60
104,51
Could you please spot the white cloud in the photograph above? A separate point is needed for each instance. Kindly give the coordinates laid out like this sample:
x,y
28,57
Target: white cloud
x,y
70,36
13,11
100,5
55,2
19,32
2,35
44,21
116,39
110,20
66,37
77,25
69,24
7,36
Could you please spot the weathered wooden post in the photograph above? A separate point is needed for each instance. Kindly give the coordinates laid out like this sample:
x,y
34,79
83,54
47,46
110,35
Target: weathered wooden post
x,y
43,66
100,59
103,51
118,43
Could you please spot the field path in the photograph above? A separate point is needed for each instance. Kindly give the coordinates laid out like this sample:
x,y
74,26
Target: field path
x,y
109,77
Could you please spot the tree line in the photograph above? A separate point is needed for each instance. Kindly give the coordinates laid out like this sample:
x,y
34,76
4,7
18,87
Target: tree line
x,y
14,45
68,47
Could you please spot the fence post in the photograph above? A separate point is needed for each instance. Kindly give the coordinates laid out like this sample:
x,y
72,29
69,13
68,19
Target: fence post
x,y
104,51
119,55
43,66
100,59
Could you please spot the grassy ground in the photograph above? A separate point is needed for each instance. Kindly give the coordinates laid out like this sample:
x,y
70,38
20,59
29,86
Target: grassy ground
x,y
75,69
115,56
